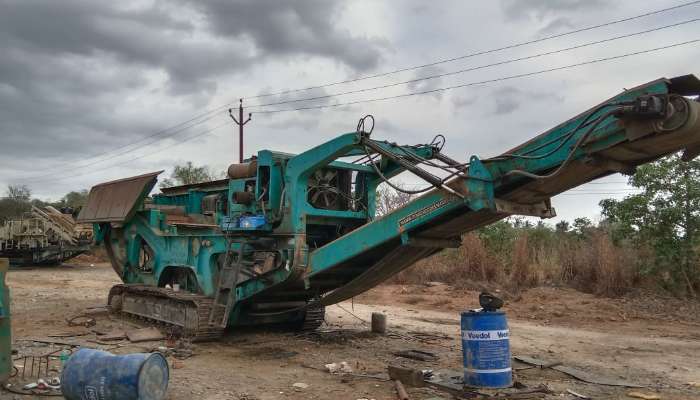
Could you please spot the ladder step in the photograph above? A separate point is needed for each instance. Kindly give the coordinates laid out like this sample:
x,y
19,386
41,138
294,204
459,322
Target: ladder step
x,y
225,291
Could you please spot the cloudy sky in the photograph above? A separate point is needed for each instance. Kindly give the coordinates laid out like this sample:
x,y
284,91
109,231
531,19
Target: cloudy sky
x,y
88,88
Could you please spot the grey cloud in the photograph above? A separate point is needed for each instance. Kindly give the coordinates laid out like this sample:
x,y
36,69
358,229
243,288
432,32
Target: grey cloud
x,y
556,15
234,37
463,101
541,9
294,99
506,105
285,27
73,73
421,8
428,84
557,25
295,123
509,98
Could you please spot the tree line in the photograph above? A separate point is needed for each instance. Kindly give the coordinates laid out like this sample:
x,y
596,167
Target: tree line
x,y
18,200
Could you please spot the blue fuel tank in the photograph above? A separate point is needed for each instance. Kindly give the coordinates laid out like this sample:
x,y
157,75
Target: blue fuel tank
x,y
486,349
96,374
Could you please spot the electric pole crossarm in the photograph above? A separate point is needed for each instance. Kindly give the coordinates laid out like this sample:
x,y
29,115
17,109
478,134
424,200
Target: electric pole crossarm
x,y
239,121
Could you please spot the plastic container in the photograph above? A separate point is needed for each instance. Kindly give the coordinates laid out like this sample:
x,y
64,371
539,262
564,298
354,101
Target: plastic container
x,y
486,349
251,221
95,374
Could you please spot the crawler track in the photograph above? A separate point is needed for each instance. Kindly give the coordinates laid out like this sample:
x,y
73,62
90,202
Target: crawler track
x,y
315,316
182,312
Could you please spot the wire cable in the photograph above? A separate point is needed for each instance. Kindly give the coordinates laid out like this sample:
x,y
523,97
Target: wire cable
x,y
182,126
482,52
461,71
113,156
206,114
442,89
475,83
388,182
570,156
92,171
563,139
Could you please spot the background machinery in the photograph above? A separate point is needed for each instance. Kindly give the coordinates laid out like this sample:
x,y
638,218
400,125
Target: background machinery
x,y
43,236
286,235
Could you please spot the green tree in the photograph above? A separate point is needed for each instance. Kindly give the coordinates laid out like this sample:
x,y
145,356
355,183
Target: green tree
x,y
75,200
16,203
499,238
562,226
19,193
664,216
582,226
188,174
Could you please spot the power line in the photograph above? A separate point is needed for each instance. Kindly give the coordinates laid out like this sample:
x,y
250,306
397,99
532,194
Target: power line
x,y
207,115
479,53
185,140
461,71
442,89
431,91
113,156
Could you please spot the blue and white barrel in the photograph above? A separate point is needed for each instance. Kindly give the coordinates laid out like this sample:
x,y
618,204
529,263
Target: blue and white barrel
x,y
98,375
486,349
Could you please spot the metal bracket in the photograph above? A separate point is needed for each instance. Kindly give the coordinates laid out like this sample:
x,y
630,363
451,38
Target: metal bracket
x,y
542,209
479,186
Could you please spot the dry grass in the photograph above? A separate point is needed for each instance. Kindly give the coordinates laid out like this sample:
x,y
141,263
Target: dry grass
x,y
602,268
471,261
594,265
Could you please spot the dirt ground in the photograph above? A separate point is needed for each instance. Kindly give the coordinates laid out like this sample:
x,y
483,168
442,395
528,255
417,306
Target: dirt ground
x,y
644,339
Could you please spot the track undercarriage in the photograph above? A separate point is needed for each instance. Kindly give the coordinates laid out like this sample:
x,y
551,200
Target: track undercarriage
x,y
185,314
182,313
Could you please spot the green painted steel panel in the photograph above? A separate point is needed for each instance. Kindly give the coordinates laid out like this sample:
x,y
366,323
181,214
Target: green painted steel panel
x,y
5,328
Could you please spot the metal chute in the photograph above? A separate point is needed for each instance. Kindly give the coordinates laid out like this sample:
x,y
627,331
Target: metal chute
x,y
116,201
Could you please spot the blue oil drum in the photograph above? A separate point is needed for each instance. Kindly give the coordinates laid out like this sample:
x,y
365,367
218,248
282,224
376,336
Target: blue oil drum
x,y
98,375
486,349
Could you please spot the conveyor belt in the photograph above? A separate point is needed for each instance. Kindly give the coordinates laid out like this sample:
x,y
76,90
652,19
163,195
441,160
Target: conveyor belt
x,y
373,264
400,256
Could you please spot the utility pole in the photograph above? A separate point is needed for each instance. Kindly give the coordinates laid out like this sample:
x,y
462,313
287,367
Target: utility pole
x,y
240,124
